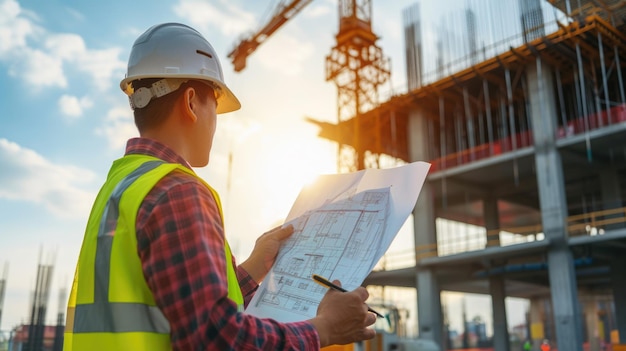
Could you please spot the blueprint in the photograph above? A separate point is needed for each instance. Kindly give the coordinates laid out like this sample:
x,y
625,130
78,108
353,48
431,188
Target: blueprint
x,y
343,225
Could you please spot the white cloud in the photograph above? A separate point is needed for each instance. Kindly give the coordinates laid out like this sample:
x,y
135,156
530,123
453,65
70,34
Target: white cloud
x,y
100,65
14,28
103,66
118,127
25,175
39,69
65,46
72,106
42,57
227,18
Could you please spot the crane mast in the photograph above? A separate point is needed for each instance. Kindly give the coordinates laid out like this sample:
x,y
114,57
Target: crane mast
x,y
356,65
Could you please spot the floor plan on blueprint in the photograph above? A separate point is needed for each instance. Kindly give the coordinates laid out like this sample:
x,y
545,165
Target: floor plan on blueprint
x,y
342,237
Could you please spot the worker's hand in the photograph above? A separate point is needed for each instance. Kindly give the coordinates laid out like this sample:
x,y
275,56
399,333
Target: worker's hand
x,y
265,250
342,317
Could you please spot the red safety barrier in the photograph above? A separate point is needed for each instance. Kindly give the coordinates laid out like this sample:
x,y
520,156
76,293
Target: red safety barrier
x,y
525,139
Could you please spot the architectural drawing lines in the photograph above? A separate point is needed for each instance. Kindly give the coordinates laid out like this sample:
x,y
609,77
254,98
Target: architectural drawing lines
x,y
338,241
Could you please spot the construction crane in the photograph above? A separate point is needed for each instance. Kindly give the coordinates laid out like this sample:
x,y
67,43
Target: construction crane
x,y
284,11
356,65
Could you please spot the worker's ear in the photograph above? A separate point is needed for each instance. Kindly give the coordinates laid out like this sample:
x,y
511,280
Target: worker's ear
x,y
190,104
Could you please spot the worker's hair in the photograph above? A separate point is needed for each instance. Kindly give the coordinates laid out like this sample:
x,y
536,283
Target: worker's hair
x,y
159,108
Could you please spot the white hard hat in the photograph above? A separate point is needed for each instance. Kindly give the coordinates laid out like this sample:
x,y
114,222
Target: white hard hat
x,y
174,50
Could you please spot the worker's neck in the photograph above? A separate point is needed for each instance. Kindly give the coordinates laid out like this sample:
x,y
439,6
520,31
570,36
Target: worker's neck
x,y
170,137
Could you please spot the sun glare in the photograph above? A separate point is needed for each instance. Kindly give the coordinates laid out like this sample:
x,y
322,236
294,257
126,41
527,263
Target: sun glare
x,y
269,169
295,161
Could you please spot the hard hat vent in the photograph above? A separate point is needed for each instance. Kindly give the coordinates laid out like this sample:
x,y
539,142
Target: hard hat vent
x,y
204,53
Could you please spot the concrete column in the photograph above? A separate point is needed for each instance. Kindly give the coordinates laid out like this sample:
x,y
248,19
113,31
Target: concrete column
x,y
429,314
618,282
565,299
496,283
553,207
498,306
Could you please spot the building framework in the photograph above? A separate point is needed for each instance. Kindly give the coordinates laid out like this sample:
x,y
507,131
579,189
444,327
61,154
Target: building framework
x,y
529,145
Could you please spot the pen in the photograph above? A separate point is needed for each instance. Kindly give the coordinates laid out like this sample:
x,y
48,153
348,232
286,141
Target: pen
x,y
326,283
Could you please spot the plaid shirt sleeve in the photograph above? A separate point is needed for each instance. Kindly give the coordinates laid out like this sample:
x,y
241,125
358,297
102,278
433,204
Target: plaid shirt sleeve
x,y
180,242
246,283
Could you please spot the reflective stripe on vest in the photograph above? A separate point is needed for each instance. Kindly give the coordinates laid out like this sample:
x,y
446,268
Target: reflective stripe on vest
x,y
93,321
110,317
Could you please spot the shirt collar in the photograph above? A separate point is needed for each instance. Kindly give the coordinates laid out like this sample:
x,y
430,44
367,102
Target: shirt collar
x,y
151,147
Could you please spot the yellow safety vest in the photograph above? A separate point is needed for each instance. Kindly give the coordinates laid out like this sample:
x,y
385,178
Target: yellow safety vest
x,y
110,305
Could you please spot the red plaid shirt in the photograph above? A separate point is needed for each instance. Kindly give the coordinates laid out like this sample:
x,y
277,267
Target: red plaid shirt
x,y
180,240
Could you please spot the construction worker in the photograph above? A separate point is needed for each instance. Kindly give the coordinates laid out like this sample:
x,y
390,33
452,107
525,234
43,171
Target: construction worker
x,y
155,271
545,345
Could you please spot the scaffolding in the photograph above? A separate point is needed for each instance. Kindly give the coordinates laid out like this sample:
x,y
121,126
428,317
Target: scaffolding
x,y
480,113
520,108
357,67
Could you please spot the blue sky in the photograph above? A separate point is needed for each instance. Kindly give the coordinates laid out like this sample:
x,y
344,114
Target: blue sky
x,y
63,120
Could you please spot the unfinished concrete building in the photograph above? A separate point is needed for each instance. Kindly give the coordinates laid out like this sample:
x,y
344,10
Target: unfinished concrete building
x,y
526,134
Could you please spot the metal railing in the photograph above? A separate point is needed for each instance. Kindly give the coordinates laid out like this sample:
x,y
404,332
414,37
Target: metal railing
x,y
591,223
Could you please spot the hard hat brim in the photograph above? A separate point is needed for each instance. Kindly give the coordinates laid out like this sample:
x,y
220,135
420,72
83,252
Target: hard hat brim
x,y
227,102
